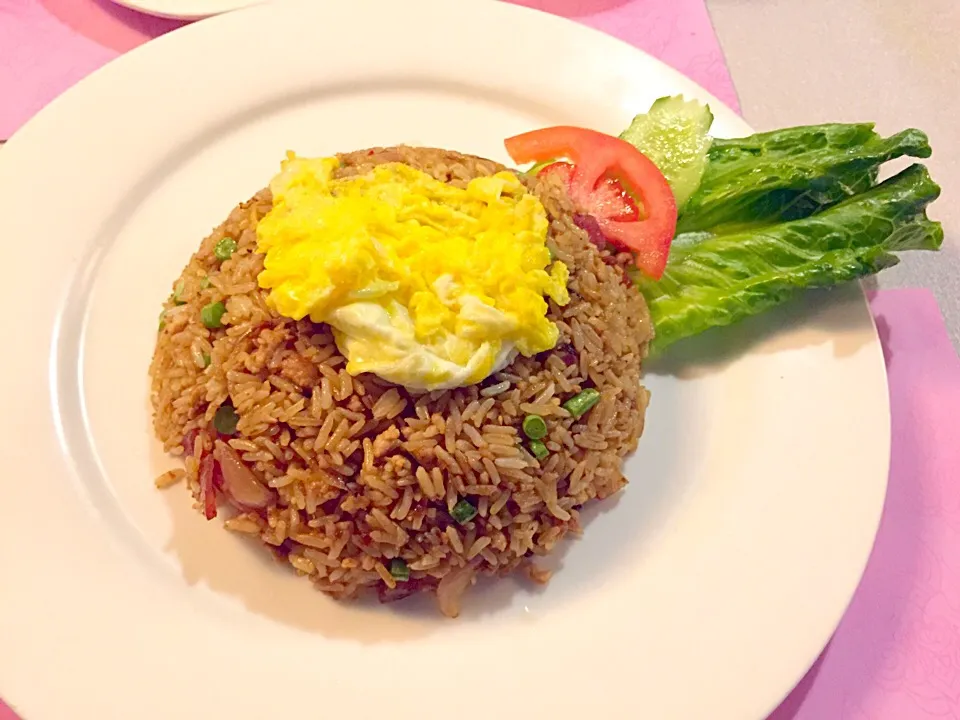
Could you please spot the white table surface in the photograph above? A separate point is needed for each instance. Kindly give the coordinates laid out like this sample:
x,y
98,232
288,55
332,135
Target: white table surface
x,y
893,62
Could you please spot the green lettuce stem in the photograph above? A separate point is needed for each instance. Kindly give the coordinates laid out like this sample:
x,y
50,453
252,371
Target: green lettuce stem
x,y
717,280
790,174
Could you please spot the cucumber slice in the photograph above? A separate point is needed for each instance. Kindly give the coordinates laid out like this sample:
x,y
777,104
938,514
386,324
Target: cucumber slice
x,y
535,170
673,134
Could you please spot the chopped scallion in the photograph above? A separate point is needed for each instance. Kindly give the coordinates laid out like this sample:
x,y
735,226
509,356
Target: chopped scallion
x,y
580,403
538,449
225,420
463,512
534,427
225,248
399,570
178,294
211,314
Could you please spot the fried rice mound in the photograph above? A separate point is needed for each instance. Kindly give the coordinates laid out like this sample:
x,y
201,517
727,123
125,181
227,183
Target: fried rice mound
x,y
340,476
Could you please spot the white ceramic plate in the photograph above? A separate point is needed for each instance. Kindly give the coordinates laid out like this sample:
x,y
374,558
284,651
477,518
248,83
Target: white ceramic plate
x,y
705,590
187,9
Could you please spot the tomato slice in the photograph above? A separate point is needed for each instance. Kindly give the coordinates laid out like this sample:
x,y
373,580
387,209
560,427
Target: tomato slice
x,y
597,157
607,200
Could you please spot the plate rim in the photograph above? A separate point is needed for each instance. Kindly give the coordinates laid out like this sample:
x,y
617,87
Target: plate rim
x,y
199,12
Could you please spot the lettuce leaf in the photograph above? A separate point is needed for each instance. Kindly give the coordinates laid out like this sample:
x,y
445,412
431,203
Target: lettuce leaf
x,y
792,173
718,279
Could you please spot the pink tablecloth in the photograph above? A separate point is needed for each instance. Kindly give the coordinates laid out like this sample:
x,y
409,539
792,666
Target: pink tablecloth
x,y
47,45
896,655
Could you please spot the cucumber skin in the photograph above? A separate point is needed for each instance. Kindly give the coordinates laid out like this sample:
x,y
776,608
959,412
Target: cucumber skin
x,y
674,135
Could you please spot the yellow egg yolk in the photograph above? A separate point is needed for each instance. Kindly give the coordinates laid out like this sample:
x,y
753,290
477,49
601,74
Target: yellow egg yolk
x,y
425,284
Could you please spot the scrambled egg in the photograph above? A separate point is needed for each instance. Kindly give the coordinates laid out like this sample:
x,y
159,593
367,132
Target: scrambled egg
x,y
425,284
